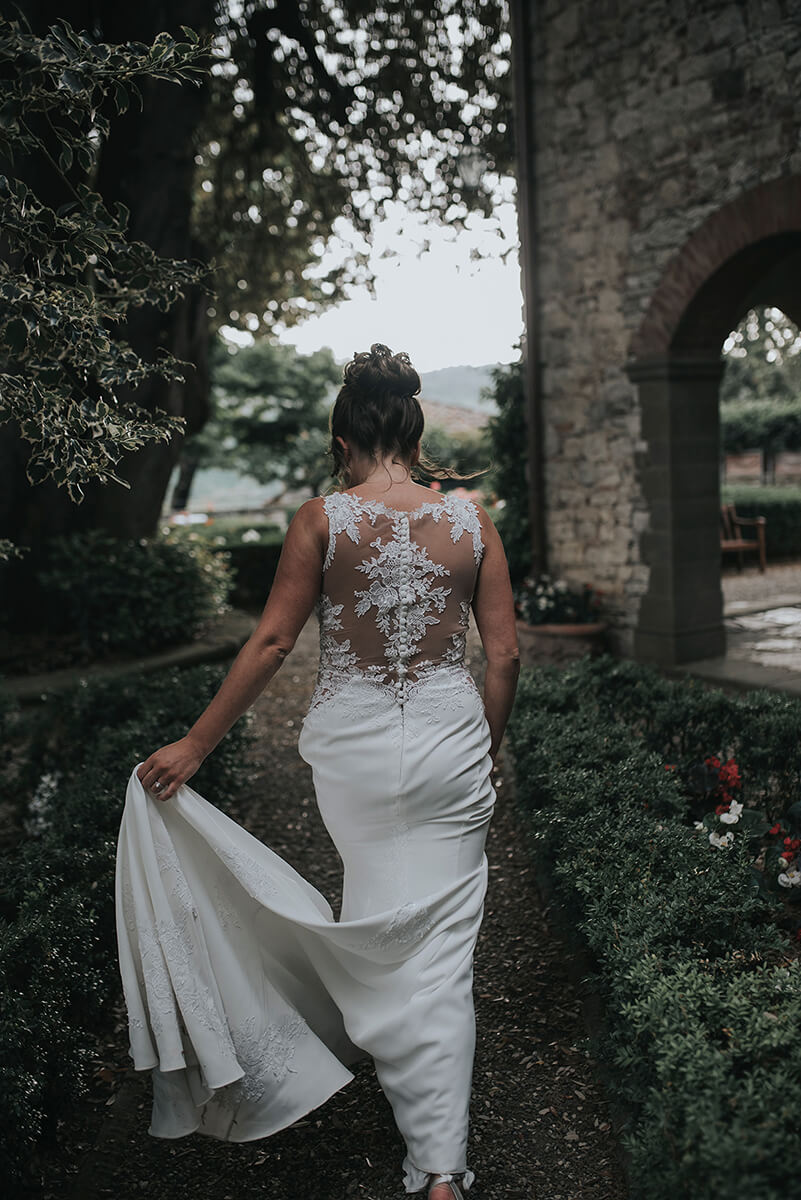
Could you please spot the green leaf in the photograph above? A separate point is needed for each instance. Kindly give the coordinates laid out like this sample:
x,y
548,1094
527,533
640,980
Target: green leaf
x,y
121,98
8,115
72,82
16,335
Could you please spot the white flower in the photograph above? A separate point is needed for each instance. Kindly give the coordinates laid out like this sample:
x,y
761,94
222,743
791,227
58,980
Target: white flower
x,y
40,807
219,541
251,535
782,862
790,878
699,825
722,841
733,815
560,585
542,603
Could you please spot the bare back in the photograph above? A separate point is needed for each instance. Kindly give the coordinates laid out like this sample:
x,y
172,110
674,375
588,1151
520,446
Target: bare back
x,y
396,591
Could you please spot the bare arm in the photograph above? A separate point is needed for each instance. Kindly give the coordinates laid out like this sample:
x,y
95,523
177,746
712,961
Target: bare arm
x,y
292,597
494,611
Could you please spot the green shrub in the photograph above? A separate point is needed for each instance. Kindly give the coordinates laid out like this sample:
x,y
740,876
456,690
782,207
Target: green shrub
x,y
764,423
253,566
701,986
133,595
59,978
508,439
781,508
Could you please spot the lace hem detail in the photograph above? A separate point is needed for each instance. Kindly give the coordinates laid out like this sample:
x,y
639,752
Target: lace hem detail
x,y
373,684
416,1180
264,1054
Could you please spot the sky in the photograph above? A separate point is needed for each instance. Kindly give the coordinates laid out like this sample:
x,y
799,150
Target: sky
x,y
446,298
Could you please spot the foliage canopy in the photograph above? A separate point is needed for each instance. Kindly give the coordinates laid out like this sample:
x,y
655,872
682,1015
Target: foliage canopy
x,y
317,115
70,275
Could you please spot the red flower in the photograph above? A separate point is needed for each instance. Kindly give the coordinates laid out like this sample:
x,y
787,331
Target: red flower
x,y
721,808
730,774
776,828
712,762
670,766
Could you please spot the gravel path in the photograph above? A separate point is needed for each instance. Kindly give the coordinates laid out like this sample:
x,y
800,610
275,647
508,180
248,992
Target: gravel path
x,y
541,1123
751,585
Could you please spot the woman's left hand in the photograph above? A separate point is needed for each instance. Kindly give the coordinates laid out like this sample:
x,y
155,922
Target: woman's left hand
x,y
171,766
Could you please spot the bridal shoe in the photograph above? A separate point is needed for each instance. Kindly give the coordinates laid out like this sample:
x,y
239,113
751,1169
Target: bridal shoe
x,y
450,1181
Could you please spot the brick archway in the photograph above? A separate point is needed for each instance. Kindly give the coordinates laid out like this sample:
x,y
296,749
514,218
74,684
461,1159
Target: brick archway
x,y
746,254
770,211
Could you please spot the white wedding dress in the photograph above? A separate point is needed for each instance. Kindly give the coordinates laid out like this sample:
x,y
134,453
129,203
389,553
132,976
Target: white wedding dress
x,y
246,998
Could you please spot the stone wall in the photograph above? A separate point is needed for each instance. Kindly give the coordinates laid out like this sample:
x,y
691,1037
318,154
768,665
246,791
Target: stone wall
x,y
649,118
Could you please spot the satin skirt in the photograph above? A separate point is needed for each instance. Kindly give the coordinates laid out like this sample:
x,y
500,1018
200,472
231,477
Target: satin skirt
x,y
248,1001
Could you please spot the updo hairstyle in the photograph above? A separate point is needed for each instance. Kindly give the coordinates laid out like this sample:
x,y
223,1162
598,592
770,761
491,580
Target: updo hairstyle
x,y
378,412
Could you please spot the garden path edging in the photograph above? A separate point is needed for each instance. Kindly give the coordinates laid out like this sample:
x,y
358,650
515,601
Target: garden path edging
x,y
225,640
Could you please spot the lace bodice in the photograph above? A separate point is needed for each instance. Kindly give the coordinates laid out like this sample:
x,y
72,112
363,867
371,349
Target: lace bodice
x,y
396,592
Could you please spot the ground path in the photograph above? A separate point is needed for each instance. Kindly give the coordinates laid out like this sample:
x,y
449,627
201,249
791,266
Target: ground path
x,y
541,1123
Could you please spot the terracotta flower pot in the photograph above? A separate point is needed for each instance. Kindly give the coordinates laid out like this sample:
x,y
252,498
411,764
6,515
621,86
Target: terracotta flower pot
x,y
543,645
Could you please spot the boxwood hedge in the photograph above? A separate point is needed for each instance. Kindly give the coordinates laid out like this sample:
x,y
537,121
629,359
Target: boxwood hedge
x,y
694,960
59,980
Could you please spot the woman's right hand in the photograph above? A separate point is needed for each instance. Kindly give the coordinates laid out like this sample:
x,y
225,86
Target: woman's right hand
x,y
171,766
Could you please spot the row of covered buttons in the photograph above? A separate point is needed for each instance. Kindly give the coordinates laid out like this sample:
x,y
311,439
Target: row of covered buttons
x,y
406,596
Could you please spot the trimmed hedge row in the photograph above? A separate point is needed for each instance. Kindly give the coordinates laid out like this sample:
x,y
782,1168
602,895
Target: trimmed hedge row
x,y
781,507
701,984
253,568
128,593
59,978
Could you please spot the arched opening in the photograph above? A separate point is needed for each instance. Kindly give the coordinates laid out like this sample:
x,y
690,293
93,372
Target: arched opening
x,y
746,255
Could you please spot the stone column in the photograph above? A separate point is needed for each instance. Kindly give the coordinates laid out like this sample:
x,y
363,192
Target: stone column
x,y
681,614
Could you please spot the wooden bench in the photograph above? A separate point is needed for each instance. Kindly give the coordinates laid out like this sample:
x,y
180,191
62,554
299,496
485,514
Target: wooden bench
x,y
731,535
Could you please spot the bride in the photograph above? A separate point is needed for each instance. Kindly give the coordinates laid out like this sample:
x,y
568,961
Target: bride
x,y
247,999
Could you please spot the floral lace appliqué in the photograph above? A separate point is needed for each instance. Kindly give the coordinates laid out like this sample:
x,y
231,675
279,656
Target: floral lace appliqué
x,y
402,595
264,1054
338,664
411,922
401,592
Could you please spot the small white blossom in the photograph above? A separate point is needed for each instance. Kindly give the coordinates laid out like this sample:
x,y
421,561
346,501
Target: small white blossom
x,y
700,825
39,808
721,841
782,862
733,815
790,878
251,535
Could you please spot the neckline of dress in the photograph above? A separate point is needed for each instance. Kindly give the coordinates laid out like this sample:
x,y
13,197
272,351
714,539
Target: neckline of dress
x,y
403,512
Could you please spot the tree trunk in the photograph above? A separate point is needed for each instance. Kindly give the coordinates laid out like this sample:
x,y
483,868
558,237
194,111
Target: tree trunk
x,y
768,468
148,164
187,467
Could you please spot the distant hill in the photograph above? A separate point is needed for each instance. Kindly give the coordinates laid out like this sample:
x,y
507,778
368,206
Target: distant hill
x,y
458,387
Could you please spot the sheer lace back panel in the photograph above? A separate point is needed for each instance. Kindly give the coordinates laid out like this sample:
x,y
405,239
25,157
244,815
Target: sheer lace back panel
x,y
396,592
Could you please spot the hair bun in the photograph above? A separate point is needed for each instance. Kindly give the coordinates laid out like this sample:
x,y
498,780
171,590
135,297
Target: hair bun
x,y
379,372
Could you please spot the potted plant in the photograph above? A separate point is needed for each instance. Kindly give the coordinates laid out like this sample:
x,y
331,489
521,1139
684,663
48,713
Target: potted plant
x,y
557,623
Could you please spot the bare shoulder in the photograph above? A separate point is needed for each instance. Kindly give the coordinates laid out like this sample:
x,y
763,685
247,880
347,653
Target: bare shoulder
x,y
310,521
312,511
